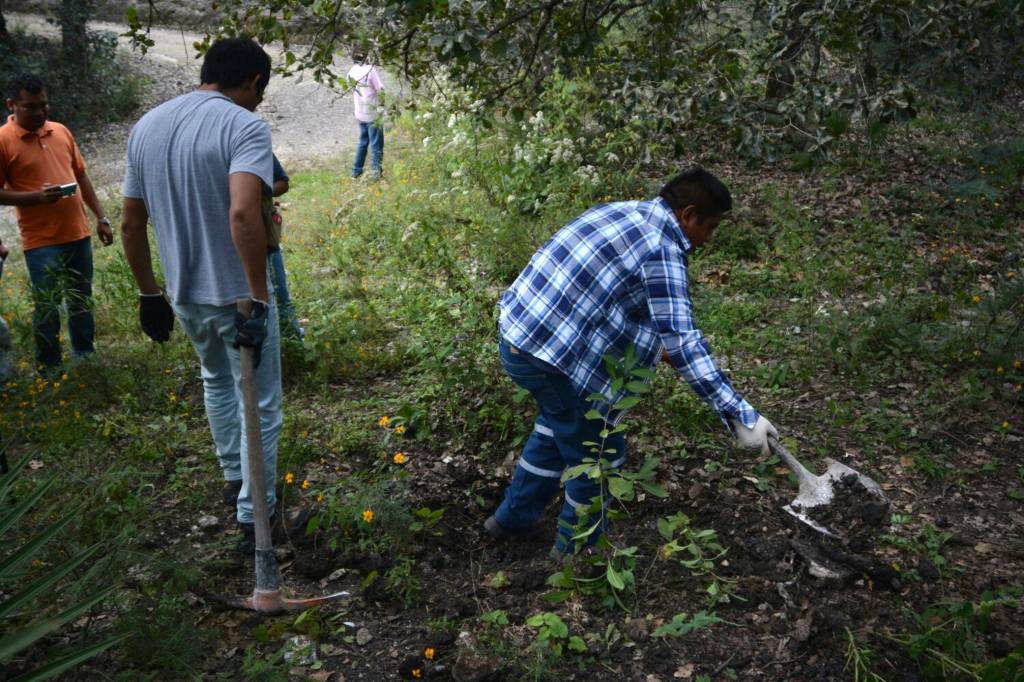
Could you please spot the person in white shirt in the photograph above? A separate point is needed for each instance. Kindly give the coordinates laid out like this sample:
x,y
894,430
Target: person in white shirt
x,y
368,87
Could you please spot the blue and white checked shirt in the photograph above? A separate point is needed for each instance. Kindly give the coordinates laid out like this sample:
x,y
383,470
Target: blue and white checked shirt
x,y
615,275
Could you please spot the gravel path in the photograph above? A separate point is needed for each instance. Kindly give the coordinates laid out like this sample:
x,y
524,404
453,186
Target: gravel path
x,y
312,124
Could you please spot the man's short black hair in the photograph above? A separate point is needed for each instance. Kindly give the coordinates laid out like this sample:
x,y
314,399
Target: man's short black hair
x,y
231,62
24,81
696,187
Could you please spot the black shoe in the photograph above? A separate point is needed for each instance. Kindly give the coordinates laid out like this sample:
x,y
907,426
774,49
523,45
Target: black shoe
x,y
247,543
230,493
495,529
291,529
500,532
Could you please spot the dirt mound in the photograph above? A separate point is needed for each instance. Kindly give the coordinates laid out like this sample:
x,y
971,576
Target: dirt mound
x,y
855,513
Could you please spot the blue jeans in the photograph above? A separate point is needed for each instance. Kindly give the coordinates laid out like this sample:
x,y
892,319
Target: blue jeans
x,y
212,332
370,135
279,280
61,273
555,444
6,361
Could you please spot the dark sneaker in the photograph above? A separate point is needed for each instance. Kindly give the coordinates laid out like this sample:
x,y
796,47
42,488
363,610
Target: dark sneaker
x,y
499,532
230,492
495,529
290,527
247,543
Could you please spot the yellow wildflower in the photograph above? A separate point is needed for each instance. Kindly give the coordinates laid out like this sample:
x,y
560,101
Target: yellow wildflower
x,y
976,298
173,398
1006,424
999,369
368,515
400,429
1016,364
320,498
400,458
384,421
417,673
289,478
429,653
305,484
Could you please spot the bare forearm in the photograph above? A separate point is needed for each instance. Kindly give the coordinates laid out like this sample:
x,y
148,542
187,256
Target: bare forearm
x,y
89,196
135,241
13,198
250,239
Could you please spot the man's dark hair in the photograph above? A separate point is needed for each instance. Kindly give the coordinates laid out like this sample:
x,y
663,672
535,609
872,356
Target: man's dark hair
x,y
231,62
696,187
24,81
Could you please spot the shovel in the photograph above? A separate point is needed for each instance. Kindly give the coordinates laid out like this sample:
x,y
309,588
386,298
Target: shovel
x,y
816,491
266,597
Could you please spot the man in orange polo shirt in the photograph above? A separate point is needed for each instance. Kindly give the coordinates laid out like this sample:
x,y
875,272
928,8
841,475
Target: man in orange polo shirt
x,y
42,174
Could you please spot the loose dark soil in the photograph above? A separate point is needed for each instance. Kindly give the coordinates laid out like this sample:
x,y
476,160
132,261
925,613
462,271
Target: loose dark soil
x,y
785,624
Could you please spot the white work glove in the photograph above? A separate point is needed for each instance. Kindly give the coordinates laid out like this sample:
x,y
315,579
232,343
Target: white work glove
x,y
755,438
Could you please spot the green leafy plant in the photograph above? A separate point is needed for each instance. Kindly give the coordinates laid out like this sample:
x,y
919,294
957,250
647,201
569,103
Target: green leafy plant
x,y
697,550
553,634
682,625
859,659
947,640
24,622
628,382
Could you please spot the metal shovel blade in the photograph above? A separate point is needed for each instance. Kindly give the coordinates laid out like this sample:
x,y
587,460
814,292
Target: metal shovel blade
x,y
816,491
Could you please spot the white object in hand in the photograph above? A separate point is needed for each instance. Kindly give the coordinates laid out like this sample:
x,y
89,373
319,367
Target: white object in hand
x,y
755,438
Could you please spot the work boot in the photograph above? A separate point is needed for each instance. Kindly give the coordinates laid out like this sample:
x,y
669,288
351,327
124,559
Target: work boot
x,y
247,543
499,532
495,529
230,493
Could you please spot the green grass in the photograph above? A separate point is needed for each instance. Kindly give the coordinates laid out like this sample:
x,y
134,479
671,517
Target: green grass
x,y
859,331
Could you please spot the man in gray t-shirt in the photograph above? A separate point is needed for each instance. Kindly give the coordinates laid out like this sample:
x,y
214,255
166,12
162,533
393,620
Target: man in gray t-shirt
x,y
195,168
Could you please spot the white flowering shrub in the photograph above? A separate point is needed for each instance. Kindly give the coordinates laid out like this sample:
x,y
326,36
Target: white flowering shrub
x,y
549,158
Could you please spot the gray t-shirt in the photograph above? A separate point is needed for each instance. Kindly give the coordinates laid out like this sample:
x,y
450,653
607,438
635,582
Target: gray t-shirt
x,y
179,158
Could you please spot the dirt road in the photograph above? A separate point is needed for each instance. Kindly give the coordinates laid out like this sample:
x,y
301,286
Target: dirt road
x,y
311,124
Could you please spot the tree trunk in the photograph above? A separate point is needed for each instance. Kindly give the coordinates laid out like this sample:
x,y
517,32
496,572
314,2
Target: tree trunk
x,y
5,37
782,79
73,16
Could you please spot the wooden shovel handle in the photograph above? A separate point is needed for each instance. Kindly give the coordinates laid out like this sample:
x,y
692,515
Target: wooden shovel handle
x,y
266,565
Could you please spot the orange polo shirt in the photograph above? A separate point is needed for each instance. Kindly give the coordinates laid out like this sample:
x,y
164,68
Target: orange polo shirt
x,y
29,159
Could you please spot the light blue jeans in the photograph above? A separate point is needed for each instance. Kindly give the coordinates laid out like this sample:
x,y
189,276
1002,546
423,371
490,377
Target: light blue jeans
x,y
212,331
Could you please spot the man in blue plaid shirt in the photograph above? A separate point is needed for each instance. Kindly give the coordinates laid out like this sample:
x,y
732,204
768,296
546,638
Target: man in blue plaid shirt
x,y
612,278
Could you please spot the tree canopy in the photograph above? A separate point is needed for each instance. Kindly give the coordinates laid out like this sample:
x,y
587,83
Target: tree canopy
x,y
774,73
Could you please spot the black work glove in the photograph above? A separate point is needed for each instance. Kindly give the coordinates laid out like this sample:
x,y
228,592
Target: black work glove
x,y
156,316
252,330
